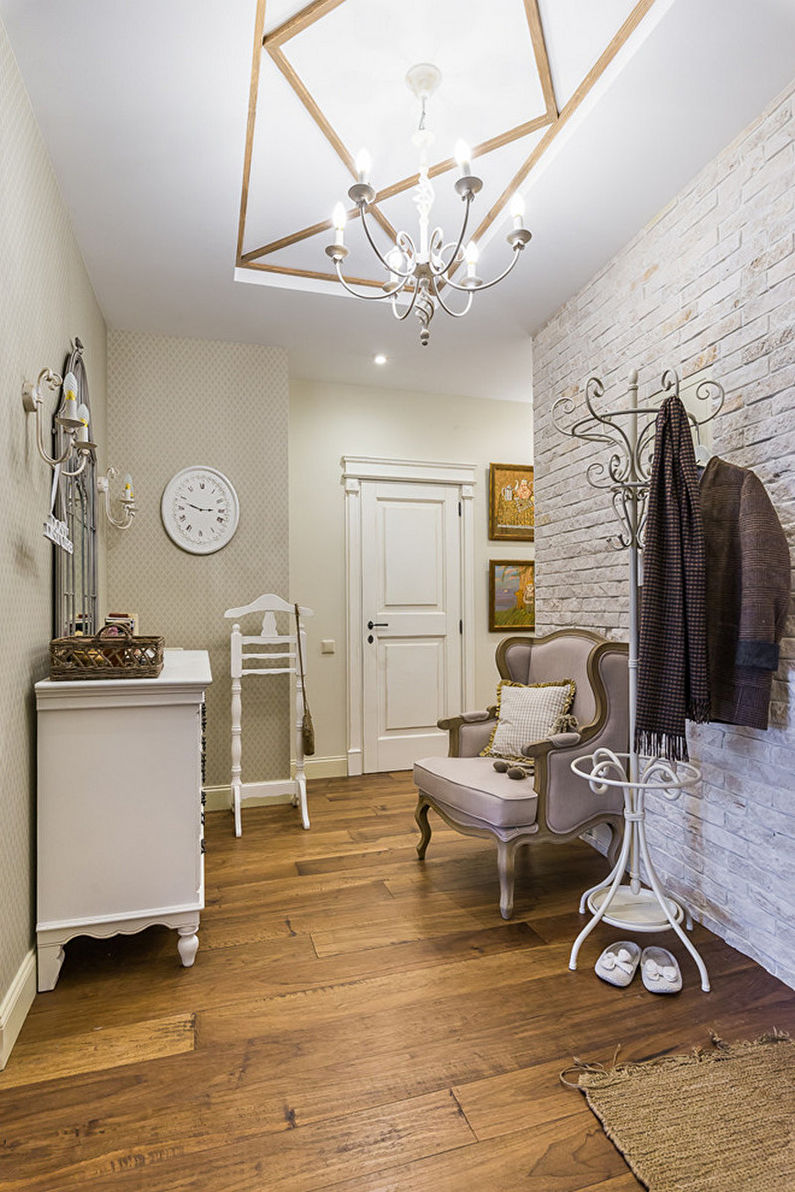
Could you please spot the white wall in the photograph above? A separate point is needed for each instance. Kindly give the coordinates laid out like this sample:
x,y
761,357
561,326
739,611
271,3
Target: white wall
x,y
329,421
708,285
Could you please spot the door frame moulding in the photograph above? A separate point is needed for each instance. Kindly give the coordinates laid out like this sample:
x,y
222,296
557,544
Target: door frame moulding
x,y
355,470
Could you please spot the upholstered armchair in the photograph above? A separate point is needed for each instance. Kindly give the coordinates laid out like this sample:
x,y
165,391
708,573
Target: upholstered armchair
x,y
553,804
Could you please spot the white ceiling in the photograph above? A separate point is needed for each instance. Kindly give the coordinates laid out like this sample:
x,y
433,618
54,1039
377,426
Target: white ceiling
x,y
143,106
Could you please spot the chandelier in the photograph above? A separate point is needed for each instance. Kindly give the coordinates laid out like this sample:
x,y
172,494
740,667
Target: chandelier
x,y
418,274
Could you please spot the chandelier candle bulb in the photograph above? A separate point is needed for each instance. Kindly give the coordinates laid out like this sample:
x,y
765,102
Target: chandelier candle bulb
x,y
128,488
463,156
338,219
394,259
364,165
517,211
471,256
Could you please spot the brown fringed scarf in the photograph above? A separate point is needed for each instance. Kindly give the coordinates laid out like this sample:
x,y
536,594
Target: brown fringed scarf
x,y
673,683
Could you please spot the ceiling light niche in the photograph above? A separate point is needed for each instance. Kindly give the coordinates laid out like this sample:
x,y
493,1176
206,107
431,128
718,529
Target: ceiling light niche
x,y
419,272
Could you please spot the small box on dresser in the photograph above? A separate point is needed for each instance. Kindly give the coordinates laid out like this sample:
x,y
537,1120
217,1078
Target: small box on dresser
x,y
120,823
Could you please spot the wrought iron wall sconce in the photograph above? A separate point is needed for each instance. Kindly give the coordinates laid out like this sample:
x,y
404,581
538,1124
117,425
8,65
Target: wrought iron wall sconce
x,y
72,419
127,500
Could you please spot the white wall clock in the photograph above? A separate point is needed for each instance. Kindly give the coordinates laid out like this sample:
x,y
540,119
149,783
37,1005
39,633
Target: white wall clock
x,y
200,509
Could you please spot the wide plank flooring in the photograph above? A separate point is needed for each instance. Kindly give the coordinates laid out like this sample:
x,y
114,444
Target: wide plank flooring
x,y
355,1021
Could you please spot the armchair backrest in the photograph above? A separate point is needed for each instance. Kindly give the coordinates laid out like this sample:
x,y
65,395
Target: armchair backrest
x,y
565,802
561,655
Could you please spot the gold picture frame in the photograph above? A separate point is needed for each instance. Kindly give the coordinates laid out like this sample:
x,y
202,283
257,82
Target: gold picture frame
x,y
511,503
512,604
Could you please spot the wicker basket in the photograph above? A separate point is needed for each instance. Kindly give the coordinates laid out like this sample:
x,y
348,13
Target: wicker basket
x,y
113,654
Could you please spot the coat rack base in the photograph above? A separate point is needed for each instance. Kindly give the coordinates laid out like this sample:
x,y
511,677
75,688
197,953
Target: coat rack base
x,y
635,907
639,911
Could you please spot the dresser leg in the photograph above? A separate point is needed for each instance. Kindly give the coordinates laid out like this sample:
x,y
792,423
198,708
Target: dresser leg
x,y
50,959
187,945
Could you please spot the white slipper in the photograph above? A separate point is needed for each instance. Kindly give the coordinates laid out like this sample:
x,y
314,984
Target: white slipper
x,y
660,971
618,963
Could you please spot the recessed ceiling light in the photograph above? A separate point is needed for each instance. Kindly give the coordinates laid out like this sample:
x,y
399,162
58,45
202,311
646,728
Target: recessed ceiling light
x,y
379,358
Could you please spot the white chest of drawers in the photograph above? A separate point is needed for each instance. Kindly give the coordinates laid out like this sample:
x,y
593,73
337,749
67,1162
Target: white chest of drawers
x,y
120,822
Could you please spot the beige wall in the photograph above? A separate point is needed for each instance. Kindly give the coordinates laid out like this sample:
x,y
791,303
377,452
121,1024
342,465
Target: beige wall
x,y
175,402
329,421
45,300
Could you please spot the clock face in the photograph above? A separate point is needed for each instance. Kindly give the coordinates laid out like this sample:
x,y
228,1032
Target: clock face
x,y
199,510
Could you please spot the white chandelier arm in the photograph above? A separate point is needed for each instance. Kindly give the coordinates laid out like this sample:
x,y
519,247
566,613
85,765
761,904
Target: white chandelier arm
x,y
443,270
488,284
406,245
356,294
457,314
376,250
409,308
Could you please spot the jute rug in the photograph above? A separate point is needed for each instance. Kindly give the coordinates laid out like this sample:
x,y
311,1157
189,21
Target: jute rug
x,y
715,1121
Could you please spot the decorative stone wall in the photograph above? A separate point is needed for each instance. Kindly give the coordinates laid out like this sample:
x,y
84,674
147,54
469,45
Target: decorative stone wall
x,y
708,287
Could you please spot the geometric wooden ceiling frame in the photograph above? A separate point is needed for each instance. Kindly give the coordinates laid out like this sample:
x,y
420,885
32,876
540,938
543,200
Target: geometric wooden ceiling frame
x,y
553,120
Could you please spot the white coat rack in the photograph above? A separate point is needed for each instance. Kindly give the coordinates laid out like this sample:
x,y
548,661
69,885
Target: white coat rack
x,y
268,647
629,434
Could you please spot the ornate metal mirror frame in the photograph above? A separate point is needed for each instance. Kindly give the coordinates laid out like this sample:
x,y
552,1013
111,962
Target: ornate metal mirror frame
x,y
75,575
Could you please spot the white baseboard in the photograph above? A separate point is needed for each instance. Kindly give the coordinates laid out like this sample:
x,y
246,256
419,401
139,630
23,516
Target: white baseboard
x,y
260,794
255,794
324,767
15,1005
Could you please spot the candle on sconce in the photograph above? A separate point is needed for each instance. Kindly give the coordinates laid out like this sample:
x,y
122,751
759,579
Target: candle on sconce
x,y
82,417
70,397
128,488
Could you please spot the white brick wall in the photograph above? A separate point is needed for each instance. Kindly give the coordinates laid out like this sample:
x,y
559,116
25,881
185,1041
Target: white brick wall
x,y
707,287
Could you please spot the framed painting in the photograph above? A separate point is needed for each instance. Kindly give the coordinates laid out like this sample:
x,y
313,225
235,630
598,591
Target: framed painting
x,y
512,595
511,502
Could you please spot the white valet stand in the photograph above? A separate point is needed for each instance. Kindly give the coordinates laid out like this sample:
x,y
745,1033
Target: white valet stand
x,y
269,642
626,475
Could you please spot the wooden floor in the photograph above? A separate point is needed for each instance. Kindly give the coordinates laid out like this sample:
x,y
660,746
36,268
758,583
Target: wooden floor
x,y
355,1021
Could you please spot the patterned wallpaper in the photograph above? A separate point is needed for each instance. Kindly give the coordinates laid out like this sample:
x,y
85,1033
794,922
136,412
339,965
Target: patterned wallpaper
x,y
176,402
46,300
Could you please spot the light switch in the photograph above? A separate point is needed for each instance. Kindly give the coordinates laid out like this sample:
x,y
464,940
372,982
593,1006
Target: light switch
x,y
328,645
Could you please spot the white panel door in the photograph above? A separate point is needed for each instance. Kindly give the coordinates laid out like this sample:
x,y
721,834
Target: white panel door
x,y
411,631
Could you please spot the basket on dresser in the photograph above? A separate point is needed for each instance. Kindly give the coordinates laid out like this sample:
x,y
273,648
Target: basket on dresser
x,y
112,654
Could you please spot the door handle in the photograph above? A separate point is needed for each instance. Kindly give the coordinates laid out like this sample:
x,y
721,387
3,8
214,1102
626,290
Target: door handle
x,y
377,624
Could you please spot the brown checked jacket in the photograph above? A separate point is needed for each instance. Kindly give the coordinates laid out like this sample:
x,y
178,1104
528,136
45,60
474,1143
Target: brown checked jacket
x,y
748,587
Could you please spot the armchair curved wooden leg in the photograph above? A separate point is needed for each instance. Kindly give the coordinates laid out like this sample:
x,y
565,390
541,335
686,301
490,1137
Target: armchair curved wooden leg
x,y
421,816
506,853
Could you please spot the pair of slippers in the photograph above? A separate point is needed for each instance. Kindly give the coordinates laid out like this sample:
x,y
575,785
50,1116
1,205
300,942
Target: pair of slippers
x,y
658,967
